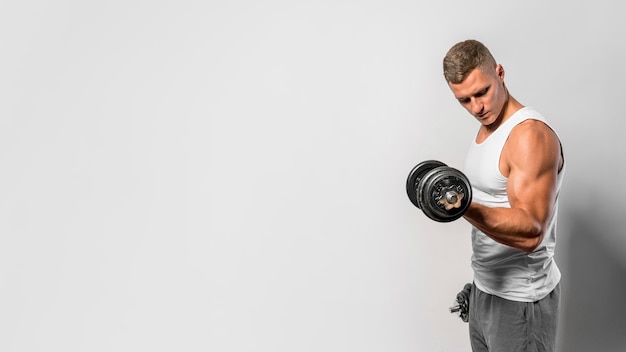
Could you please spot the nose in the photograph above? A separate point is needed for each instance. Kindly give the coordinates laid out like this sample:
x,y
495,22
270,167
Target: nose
x,y
477,106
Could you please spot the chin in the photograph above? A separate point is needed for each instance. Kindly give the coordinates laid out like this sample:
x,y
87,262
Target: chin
x,y
488,123
485,121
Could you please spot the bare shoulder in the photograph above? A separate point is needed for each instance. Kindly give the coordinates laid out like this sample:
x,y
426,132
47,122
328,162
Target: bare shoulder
x,y
532,143
533,131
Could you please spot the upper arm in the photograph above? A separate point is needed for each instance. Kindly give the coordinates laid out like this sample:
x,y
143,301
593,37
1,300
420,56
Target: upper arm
x,y
532,157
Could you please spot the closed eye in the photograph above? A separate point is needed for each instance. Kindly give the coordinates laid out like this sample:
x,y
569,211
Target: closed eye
x,y
479,94
482,92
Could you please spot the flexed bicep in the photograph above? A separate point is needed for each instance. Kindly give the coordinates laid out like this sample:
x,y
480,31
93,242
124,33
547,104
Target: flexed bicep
x,y
533,157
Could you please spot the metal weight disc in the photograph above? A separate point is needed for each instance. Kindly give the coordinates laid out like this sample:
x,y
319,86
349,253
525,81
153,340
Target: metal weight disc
x,y
416,175
444,194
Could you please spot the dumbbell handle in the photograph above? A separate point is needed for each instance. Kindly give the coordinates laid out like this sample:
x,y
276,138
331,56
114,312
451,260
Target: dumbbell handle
x,y
455,308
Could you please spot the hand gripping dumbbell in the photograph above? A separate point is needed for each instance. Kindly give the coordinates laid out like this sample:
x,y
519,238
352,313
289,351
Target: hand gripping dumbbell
x,y
443,193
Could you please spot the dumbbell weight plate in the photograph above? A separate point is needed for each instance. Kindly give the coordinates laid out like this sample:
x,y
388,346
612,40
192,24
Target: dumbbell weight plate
x,y
444,194
416,175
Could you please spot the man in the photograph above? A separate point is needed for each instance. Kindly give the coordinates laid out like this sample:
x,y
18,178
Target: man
x,y
515,166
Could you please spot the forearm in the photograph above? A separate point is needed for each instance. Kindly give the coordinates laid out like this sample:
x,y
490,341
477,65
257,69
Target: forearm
x,y
513,227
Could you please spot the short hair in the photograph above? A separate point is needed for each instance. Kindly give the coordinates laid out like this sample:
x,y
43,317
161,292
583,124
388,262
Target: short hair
x,y
463,58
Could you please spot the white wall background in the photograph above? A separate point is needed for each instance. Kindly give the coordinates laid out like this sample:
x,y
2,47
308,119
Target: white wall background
x,y
229,176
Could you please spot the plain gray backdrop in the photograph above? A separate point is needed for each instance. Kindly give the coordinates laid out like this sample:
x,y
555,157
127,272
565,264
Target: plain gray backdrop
x,y
229,175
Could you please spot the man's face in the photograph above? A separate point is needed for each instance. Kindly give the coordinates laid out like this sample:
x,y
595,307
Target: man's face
x,y
482,94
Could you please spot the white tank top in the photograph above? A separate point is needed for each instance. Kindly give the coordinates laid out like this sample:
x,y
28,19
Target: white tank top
x,y
502,270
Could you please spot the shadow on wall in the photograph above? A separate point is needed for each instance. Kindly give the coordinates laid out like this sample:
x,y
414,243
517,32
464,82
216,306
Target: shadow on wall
x,y
594,277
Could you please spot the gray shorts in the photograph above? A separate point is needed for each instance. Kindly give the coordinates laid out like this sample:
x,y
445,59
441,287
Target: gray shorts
x,y
500,325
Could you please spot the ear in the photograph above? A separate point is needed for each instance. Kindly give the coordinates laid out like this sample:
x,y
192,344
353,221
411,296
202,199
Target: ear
x,y
500,72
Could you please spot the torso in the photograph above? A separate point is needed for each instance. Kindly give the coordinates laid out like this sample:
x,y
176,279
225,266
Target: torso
x,y
499,269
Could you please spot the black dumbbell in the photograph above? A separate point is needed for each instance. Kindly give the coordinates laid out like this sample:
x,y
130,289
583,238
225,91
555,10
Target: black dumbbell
x,y
442,193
